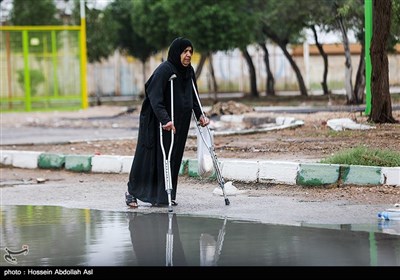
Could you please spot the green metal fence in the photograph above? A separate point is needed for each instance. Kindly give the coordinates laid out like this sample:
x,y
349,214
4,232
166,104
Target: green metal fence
x,y
41,68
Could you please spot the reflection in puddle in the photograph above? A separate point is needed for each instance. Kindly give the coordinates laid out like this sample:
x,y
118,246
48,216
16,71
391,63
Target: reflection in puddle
x,y
58,236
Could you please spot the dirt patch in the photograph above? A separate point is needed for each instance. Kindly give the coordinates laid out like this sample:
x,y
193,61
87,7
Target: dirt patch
x,y
229,108
354,193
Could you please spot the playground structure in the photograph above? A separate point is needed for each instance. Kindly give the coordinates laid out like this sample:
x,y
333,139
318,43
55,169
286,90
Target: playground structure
x,y
42,68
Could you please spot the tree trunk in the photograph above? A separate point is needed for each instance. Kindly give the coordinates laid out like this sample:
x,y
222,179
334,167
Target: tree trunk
x,y
199,67
213,80
274,37
302,86
348,67
381,109
324,83
252,70
98,88
359,86
118,75
270,84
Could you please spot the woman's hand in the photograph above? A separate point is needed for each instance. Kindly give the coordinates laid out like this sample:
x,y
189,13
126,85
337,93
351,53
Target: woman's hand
x,y
204,120
168,126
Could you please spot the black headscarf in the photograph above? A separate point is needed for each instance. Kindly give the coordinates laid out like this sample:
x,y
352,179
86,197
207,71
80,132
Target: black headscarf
x,y
174,54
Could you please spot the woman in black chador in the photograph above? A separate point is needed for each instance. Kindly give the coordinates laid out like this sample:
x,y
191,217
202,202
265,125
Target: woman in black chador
x,y
146,178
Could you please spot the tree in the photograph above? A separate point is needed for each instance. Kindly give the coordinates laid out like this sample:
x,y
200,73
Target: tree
x,y
252,70
270,83
319,17
213,25
348,84
350,13
381,109
40,12
152,22
129,40
282,22
324,83
395,26
100,32
262,40
394,37
44,12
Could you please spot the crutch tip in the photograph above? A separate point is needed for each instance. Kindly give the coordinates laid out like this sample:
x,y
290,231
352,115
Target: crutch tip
x,y
227,201
170,209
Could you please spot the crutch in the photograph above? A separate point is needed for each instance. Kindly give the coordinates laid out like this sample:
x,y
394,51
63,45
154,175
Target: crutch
x,y
220,241
210,257
220,179
169,248
167,160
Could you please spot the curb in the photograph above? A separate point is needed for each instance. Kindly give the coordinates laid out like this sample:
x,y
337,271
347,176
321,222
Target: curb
x,y
247,171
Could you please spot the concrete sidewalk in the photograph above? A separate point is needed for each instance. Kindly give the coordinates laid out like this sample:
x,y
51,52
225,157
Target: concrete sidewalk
x,y
247,171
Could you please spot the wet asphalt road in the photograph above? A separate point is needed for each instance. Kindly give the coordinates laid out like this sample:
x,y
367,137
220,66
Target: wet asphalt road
x,y
41,135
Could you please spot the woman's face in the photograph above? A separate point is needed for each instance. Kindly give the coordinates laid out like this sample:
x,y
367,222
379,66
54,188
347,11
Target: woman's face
x,y
186,56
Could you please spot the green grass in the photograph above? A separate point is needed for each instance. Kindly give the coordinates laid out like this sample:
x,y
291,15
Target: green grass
x,y
343,133
365,156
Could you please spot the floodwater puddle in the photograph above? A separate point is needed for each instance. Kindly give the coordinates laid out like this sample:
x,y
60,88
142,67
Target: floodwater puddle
x,y
58,236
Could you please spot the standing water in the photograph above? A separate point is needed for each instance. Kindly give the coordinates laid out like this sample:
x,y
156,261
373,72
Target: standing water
x,y
57,236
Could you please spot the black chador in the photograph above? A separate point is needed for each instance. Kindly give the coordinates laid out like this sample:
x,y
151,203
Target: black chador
x,y
146,179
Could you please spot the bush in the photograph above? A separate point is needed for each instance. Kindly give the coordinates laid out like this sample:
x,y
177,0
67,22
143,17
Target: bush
x,y
36,77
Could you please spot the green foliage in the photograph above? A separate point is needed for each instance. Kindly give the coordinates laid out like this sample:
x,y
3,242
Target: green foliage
x,y
101,33
395,26
36,77
152,24
362,155
285,20
129,40
352,13
38,12
344,133
213,25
